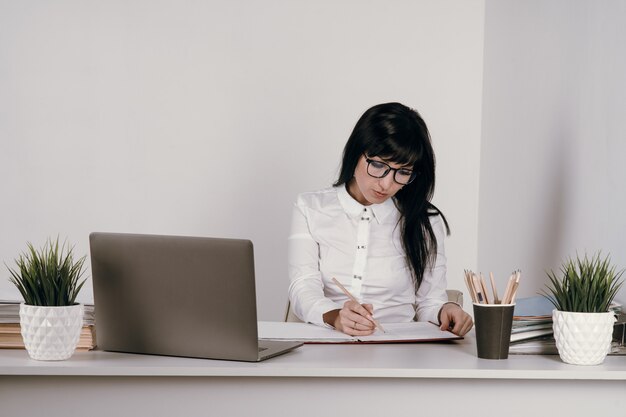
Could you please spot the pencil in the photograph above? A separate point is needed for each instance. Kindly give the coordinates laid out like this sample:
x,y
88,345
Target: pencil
x,y
469,286
509,287
478,288
350,296
483,287
514,292
518,275
473,288
496,300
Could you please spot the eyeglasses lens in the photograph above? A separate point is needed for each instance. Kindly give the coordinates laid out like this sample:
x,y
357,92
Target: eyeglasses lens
x,y
379,170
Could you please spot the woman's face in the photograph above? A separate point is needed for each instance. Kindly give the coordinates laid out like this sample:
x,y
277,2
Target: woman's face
x,y
370,190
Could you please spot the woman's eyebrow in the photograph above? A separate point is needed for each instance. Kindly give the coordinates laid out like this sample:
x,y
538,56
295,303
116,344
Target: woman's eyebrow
x,y
390,161
405,166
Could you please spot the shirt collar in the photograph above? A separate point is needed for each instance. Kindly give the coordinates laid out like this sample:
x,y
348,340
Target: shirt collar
x,y
353,208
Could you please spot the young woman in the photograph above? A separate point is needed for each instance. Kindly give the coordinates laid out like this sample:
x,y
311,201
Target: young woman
x,y
376,232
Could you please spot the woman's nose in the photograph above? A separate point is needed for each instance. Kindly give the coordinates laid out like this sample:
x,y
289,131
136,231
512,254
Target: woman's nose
x,y
387,181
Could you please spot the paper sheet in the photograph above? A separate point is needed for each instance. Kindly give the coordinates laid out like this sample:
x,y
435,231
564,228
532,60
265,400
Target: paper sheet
x,y
310,333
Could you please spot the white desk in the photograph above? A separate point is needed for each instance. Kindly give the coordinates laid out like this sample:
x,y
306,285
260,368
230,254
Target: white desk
x,y
314,380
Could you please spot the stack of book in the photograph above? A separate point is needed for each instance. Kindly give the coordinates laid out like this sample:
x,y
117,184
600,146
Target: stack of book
x,y
10,332
532,318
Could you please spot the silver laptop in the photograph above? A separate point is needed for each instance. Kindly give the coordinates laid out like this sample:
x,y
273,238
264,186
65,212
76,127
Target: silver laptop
x,y
177,296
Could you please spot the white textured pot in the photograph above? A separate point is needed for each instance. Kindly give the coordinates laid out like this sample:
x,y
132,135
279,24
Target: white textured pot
x,y
583,338
51,333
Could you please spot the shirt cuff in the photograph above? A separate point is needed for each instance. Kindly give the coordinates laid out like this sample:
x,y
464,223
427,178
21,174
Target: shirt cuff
x,y
441,308
316,314
429,312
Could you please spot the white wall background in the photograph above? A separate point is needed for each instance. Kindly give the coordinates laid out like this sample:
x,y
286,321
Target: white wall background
x,y
554,136
208,117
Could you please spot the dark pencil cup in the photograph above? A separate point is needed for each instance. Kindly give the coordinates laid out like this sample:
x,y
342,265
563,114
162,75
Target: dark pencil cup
x,y
493,329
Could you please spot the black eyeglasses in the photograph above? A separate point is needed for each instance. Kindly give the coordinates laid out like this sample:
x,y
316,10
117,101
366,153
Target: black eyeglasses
x,y
379,169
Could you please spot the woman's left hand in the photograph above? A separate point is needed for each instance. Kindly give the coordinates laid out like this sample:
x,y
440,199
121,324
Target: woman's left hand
x,y
455,319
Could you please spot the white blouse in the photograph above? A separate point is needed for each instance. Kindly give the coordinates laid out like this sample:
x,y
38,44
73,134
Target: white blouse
x,y
333,235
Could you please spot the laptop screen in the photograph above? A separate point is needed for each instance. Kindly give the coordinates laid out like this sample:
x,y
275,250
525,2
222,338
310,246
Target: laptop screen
x,y
175,295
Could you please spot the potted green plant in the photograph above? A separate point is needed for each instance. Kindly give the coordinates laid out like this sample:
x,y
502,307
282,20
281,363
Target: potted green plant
x,y
582,320
49,280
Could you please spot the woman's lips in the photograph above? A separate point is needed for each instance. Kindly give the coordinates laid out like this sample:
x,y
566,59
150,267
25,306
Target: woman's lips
x,y
379,195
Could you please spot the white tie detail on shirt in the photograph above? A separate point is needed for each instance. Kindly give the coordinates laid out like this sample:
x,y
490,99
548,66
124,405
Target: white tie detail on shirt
x,y
360,258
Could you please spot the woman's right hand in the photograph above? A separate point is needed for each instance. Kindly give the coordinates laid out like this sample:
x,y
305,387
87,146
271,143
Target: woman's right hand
x,y
353,319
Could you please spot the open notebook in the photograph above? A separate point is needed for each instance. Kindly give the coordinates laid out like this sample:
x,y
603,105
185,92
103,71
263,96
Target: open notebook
x,y
395,333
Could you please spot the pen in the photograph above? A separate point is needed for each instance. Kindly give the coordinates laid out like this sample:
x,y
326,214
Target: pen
x,y
350,296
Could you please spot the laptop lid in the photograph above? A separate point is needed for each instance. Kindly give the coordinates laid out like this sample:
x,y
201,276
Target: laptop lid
x,y
175,295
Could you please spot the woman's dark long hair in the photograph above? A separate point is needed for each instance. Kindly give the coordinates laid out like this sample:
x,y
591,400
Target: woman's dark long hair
x,y
397,133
